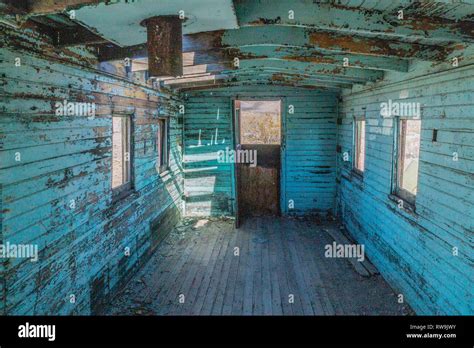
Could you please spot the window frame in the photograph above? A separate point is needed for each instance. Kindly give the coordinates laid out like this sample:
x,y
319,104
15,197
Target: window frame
x,y
355,141
126,188
163,125
398,154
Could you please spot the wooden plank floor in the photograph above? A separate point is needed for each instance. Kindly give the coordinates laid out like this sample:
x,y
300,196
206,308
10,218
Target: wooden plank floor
x,y
270,266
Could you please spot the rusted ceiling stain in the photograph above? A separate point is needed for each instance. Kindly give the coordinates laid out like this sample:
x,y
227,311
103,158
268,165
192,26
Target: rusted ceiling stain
x,y
235,52
204,40
288,78
319,58
47,6
415,18
351,44
375,46
264,21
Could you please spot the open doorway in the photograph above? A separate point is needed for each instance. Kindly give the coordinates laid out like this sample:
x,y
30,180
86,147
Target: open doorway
x,y
258,152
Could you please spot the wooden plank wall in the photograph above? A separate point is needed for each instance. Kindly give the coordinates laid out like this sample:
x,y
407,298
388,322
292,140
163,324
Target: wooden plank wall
x,y
414,252
207,183
309,163
310,155
68,158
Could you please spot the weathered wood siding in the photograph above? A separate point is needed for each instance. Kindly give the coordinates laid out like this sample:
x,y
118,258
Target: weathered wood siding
x,y
68,158
308,175
207,183
414,252
310,154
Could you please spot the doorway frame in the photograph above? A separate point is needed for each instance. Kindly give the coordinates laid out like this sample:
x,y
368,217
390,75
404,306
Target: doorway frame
x,y
235,126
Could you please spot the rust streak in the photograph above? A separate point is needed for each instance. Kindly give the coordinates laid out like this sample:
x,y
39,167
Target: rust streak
x,y
312,59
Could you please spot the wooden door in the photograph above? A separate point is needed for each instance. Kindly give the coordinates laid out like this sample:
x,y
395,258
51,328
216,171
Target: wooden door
x,y
258,153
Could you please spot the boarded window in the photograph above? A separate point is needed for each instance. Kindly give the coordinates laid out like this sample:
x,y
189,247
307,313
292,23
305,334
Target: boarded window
x,y
260,122
121,151
359,145
162,144
408,155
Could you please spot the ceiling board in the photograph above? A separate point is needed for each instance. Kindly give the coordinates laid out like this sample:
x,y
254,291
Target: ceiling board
x,y
120,22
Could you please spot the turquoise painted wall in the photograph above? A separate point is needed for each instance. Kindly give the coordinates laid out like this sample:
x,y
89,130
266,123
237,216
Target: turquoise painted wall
x,y
207,184
68,158
414,252
308,176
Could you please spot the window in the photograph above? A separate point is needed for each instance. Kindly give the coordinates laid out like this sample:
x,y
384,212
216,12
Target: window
x,y
162,145
121,153
359,146
260,122
407,159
